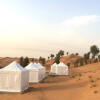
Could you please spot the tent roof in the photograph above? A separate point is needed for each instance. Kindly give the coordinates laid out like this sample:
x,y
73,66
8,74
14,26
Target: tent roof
x,y
14,66
61,64
39,65
55,64
33,66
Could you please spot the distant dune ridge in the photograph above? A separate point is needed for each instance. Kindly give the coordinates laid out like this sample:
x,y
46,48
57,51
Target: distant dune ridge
x,y
4,61
72,58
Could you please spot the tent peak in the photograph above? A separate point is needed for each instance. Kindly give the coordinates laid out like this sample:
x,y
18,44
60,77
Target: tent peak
x,y
14,66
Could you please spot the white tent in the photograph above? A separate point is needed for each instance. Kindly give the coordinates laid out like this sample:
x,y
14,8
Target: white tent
x,y
59,69
43,70
53,68
36,72
14,78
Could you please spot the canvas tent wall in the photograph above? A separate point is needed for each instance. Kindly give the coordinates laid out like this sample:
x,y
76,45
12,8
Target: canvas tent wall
x,y
59,69
43,70
36,72
62,69
53,68
14,78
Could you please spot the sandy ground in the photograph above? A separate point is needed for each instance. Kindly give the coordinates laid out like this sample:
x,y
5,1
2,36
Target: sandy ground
x,y
82,84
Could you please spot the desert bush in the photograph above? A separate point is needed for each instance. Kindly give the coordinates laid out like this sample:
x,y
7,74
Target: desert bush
x,y
80,74
95,91
99,57
95,60
92,81
94,85
73,76
68,64
81,61
90,76
98,78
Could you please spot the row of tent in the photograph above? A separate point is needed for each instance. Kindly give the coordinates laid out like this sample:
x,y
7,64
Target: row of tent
x,y
15,78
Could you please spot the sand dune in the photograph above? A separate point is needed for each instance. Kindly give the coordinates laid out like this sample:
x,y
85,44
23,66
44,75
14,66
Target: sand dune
x,y
83,83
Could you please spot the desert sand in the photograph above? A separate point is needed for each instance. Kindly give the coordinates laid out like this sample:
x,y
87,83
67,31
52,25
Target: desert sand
x,y
83,83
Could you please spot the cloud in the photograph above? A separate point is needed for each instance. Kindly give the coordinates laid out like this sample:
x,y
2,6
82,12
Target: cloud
x,y
77,21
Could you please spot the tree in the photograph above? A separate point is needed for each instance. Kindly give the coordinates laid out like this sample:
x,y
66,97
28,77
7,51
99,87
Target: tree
x,y
67,53
42,60
76,63
52,56
81,61
32,59
94,50
77,54
61,53
86,57
57,58
68,64
48,58
26,61
95,60
99,57
21,61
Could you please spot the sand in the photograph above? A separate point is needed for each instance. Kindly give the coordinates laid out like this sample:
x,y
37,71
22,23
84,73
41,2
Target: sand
x,y
83,83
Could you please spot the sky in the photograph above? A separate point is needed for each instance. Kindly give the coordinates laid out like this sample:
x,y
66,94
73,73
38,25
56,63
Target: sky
x,y
37,28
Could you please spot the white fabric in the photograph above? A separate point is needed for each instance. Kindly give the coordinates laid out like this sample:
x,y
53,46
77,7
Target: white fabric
x,y
14,66
36,72
59,69
53,68
32,66
13,78
43,70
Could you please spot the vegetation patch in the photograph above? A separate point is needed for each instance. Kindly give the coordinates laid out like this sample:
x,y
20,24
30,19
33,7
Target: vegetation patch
x,y
95,91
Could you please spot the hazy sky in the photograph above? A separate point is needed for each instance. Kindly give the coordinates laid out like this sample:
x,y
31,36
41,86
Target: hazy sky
x,y
41,27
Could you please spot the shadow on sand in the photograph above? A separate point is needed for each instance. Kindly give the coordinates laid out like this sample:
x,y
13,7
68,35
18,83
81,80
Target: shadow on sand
x,y
57,87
